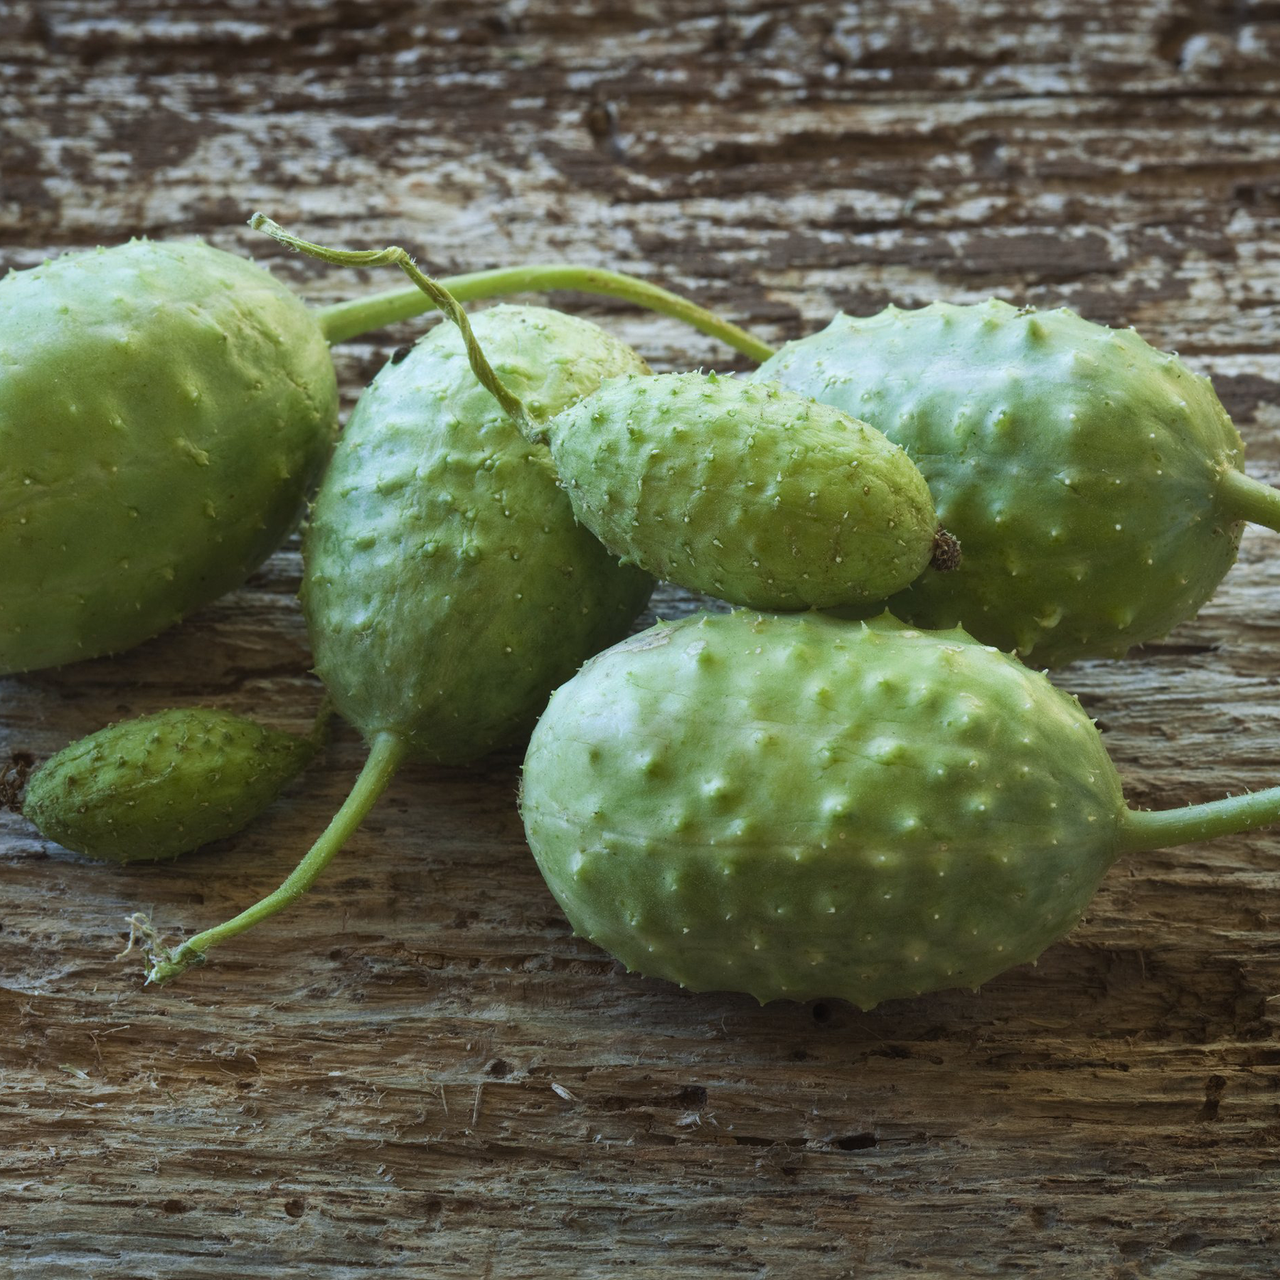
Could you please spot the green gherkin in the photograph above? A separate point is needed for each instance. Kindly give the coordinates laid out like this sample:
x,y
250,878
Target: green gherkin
x,y
162,784
799,806
164,409
447,588
745,491
1093,481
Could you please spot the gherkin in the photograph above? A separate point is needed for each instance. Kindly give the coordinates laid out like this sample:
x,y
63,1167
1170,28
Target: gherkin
x,y
447,588
745,491
1095,483
164,410
798,806
162,784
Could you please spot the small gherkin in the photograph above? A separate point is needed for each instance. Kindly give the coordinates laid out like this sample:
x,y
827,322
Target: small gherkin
x,y
1094,482
744,491
798,806
162,784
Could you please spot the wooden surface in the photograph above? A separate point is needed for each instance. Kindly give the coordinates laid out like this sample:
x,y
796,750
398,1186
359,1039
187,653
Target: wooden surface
x,y
419,1072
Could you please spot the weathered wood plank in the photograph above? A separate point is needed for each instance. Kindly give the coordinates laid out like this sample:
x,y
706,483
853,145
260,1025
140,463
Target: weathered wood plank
x,y
420,1068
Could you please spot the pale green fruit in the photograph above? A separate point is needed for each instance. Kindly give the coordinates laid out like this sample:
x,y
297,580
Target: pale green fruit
x,y
798,806
164,409
162,784
746,492
448,589
1095,483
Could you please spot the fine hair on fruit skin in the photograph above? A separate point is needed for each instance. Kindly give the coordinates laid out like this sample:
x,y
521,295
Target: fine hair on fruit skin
x,y
797,806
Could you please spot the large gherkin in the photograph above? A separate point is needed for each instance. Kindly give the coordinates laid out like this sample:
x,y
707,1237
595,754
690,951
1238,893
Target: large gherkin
x,y
1094,482
796,806
164,410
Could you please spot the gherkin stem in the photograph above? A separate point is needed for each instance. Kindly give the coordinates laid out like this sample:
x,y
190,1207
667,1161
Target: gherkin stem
x,y
349,319
1249,499
439,297
386,753
1157,829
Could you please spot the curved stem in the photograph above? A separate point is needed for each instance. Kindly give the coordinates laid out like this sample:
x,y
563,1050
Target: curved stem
x,y
440,298
1154,830
386,754
349,319
1250,499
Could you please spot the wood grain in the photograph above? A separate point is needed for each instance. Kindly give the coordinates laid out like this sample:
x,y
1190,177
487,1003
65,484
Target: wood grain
x,y
419,1069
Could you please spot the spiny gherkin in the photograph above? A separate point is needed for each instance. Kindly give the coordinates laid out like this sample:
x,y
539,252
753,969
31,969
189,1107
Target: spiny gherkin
x,y
447,588
744,491
799,806
1094,482
164,409
162,784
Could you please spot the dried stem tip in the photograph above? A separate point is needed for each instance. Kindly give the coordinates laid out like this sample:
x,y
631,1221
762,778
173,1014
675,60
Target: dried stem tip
x,y
946,552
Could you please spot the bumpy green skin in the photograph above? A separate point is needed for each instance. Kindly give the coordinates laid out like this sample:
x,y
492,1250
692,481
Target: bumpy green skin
x,y
163,784
744,491
797,806
1078,467
164,409
447,588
